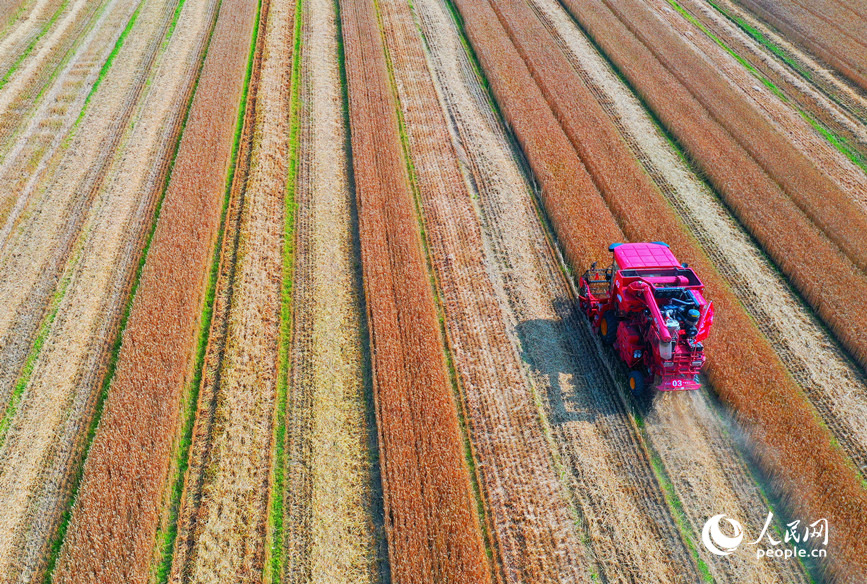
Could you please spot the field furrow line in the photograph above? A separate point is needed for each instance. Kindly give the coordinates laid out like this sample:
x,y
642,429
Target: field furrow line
x,y
156,356
811,356
32,265
45,442
508,442
433,532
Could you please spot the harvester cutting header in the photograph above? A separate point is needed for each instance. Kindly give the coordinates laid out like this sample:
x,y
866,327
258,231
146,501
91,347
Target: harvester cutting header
x,y
650,307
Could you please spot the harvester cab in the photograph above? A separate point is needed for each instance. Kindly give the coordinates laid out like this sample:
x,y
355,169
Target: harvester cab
x,y
651,309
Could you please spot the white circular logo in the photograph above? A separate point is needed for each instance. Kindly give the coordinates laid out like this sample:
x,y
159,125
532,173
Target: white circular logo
x,y
716,541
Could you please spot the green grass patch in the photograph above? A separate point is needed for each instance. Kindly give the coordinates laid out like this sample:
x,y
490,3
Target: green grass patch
x,y
276,559
166,537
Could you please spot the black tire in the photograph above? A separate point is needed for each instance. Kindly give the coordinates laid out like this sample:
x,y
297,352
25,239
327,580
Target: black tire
x,y
636,383
608,328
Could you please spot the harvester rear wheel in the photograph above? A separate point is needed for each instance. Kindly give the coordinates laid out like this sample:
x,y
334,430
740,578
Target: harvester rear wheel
x,y
636,383
608,328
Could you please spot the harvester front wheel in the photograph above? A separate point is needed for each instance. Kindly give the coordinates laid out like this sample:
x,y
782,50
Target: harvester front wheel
x,y
636,383
608,328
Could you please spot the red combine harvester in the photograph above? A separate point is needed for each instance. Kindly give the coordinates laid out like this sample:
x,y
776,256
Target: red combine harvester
x,y
651,309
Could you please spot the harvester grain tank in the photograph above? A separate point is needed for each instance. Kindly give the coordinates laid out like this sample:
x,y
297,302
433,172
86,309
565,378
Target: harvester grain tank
x,y
652,310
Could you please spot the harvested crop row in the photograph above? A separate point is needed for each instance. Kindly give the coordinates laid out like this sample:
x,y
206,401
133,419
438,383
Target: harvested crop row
x,y
226,540
827,38
332,499
823,201
36,66
43,447
783,428
433,533
772,66
515,467
813,263
111,534
30,265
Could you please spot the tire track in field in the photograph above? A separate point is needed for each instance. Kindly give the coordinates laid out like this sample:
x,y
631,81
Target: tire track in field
x,y
332,529
37,252
811,355
607,470
45,442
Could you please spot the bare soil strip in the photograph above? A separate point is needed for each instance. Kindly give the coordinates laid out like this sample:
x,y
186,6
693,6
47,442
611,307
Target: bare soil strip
x,y
433,532
44,442
231,506
507,440
333,525
111,535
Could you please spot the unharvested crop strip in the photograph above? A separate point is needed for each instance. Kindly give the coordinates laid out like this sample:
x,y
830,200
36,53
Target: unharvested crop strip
x,y
645,215
433,534
154,361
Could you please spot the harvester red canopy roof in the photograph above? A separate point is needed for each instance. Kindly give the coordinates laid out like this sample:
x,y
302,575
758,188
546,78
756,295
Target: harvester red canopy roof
x,y
644,255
